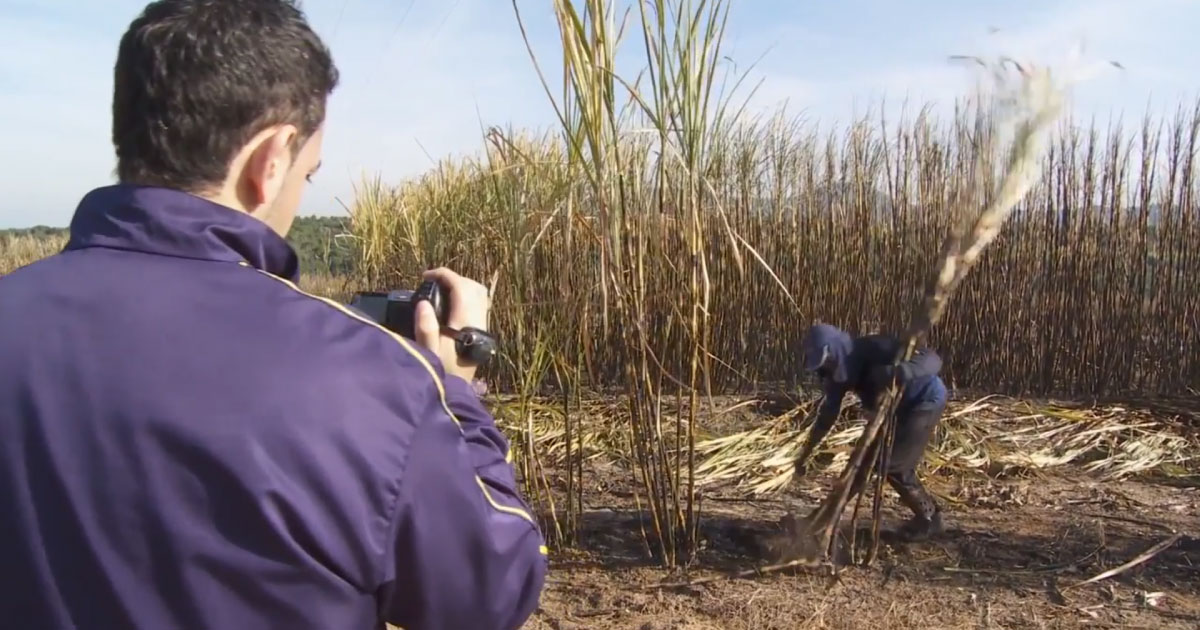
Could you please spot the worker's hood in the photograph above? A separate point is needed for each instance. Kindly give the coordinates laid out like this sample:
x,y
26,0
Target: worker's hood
x,y
828,346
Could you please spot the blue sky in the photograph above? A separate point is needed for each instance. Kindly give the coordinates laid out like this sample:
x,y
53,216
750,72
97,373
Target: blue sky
x,y
420,77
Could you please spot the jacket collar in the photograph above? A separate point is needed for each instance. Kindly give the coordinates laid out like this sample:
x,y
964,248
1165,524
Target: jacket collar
x,y
173,223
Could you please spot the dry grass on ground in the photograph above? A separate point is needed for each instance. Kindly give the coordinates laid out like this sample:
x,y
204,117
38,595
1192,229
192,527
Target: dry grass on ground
x,y
1020,535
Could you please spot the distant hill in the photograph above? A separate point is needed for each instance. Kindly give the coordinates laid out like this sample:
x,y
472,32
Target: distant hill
x,y
315,239
323,244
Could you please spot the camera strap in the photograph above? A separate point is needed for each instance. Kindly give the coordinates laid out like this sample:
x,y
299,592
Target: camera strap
x,y
474,345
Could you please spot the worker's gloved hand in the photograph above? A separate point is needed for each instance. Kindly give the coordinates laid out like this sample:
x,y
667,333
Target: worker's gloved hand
x,y
800,466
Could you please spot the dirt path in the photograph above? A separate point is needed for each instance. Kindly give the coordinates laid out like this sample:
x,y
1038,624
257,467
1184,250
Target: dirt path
x,y
1012,553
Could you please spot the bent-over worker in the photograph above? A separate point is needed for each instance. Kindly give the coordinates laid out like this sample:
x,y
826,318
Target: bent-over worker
x,y
864,365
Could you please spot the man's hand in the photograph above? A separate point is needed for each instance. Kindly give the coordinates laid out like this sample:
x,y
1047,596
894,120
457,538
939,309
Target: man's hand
x,y
469,306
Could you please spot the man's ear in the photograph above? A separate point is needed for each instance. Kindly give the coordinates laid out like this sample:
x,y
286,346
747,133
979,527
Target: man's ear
x,y
266,167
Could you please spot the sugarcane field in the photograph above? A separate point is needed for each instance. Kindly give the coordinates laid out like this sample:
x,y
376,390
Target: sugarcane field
x,y
919,367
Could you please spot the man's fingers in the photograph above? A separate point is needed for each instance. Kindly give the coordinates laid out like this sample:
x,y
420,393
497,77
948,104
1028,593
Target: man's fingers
x,y
444,276
469,300
427,330
455,282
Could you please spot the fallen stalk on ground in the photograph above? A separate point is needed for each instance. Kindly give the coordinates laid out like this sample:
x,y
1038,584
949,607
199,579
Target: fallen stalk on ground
x,y
743,574
1139,559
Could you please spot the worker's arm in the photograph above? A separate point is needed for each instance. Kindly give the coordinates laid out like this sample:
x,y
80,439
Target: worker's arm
x,y
467,551
831,406
923,363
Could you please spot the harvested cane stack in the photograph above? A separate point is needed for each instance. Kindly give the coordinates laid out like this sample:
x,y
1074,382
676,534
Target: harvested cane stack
x,y
1030,106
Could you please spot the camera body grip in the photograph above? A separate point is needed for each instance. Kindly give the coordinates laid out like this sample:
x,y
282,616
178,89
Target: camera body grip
x,y
396,310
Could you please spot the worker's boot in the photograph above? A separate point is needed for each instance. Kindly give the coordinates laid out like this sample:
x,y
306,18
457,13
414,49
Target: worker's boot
x,y
927,516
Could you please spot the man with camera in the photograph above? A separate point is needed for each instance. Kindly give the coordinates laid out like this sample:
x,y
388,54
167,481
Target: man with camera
x,y
187,439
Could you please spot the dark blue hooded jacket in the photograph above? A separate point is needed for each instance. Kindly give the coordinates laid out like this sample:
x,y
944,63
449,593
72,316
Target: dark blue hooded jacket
x,y
188,440
853,365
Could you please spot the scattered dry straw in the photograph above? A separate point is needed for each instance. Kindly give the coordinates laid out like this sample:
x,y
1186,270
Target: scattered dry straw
x,y
993,436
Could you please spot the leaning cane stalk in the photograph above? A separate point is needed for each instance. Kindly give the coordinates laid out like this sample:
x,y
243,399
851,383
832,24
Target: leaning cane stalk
x,y
885,454
1033,105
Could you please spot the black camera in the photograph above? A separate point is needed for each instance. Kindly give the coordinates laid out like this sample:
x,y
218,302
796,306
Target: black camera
x,y
397,311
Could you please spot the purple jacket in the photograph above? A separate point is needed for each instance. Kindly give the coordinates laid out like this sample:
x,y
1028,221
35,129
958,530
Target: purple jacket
x,y
188,440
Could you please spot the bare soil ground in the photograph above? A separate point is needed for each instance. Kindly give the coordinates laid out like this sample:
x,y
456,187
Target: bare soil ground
x,y
1012,558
